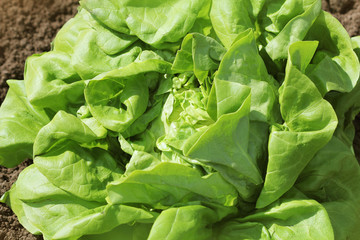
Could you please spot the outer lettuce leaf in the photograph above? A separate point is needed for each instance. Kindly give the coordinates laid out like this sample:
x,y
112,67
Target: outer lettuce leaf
x,y
310,122
140,124
236,74
141,161
117,103
151,63
233,229
90,59
203,24
243,64
226,97
277,24
355,43
91,170
57,130
332,178
187,222
78,170
286,219
51,82
157,23
137,231
95,126
104,219
335,65
167,184
144,142
39,205
290,22
347,106
94,49
82,50
20,122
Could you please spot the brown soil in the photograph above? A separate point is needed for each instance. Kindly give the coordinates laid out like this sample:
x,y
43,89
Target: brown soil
x,y
28,27
347,11
10,228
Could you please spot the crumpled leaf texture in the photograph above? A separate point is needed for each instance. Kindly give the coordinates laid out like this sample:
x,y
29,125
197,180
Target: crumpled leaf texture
x,y
191,119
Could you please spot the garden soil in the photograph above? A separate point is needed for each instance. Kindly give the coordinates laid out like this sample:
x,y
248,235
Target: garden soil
x,y
28,27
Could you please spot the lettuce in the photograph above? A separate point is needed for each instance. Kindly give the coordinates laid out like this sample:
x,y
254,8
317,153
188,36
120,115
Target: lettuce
x,y
188,120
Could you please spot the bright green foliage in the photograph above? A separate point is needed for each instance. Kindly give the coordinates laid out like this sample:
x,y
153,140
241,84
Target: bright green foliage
x,y
20,123
332,179
191,119
309,123
285,219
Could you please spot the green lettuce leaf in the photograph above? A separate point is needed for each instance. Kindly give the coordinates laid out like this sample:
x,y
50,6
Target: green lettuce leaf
x,y
190,119
199,54
286,219
335,65
189,222
310,121
290,22
121,96
222,147
331,178
20,123
51,82
157,23
231,17
39,205
167,184
80,170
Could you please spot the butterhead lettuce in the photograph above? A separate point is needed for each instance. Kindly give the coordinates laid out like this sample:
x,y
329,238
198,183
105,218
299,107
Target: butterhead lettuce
x,y
191,119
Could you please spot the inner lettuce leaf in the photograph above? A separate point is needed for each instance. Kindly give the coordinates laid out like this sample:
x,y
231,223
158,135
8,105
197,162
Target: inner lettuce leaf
x,y
222,147
199,54
201,119
116,100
